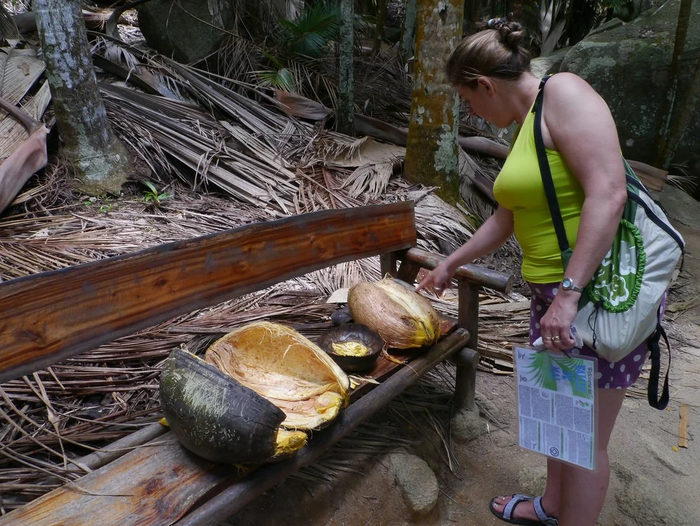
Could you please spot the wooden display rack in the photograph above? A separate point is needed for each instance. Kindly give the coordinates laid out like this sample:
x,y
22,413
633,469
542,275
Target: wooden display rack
x,y
148,478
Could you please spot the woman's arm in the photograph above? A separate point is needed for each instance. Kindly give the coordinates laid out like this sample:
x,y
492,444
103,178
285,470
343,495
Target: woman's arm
x,y
488,237
581,128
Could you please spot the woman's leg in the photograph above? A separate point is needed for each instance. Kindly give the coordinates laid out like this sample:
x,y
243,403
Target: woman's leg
x,y
550,499
572,494
582,491
541,298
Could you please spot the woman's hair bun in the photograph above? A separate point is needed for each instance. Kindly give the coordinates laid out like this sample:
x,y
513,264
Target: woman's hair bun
x,y
511,34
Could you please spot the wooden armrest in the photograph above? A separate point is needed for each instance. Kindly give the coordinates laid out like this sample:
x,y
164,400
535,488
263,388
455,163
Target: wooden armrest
x,y
475,274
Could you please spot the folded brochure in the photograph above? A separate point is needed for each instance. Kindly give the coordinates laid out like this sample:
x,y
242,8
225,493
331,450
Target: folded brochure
x,y
557,405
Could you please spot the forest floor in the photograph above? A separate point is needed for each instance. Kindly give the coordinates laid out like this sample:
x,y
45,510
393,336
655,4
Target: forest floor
x,y
653,481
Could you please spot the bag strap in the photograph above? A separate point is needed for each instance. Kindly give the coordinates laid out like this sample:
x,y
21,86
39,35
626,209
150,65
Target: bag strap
x,y
547,180
653,390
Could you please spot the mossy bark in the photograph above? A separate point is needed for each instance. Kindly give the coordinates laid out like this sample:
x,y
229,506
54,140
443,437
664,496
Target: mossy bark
x,y
100,158
432,151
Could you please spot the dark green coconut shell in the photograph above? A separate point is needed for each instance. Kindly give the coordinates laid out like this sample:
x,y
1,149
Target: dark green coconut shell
x,y
213,415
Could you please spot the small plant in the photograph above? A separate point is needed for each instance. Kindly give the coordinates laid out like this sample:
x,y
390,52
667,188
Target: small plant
x,y
152,195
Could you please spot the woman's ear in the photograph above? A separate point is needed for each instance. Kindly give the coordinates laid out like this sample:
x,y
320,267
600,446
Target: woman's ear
x,y
488,85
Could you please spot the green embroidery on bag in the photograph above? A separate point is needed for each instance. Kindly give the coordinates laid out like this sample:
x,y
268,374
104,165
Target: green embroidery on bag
x,y
618,280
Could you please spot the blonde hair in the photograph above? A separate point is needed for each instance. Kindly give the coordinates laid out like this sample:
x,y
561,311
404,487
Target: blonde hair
x,y
490,53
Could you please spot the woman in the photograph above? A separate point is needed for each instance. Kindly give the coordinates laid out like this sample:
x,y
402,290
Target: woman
x,y
491,72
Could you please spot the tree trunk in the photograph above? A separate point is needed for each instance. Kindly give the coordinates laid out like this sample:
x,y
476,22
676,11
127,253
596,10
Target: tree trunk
x,y
408,38
432,151
685,115
379,33
662,154
99,157
346,102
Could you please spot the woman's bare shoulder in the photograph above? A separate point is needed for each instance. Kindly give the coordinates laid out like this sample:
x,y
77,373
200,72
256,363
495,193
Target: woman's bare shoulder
x,y
567,87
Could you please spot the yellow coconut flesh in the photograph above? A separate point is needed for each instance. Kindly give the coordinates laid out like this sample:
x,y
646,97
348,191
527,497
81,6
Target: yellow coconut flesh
x,y
286,368
350,349
289,442
402,317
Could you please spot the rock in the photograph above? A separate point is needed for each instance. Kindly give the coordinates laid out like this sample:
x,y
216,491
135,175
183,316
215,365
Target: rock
x,y
486,407
172,28
642,501
467,426
532,480
607,26
417,481
629,66
663,453
678,205
542,66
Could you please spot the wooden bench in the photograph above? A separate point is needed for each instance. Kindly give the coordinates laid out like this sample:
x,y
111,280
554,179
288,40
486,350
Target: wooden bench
x,y
50,316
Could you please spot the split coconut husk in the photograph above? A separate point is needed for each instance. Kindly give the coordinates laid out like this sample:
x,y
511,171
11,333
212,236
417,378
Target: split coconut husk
x,y
287,369
220,420
401,316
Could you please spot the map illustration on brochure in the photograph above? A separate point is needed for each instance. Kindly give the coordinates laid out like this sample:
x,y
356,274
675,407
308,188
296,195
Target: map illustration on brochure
x,y
556,405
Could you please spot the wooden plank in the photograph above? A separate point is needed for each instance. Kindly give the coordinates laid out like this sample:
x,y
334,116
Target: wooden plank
x,y
50,316
151,485
387,264
652,177
468,317
408,271
158,483
683,427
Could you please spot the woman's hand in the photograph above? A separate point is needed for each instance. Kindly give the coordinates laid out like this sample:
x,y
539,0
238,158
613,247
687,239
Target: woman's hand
x,y
555,325
438,279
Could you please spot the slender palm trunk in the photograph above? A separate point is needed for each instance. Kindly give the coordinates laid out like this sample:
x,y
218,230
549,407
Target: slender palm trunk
x,y
408,38
346,102
100,158
665,140
381,19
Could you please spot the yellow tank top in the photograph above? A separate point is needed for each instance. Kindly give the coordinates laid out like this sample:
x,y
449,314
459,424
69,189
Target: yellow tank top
x,y
519,188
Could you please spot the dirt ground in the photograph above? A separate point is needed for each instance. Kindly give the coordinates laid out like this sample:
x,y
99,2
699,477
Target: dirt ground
x,y
653,480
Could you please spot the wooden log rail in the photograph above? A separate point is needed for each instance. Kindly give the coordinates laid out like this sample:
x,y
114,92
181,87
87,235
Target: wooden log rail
x,y
50,316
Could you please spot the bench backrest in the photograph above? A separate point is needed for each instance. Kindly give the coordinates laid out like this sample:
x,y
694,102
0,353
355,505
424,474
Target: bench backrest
x,y
50,316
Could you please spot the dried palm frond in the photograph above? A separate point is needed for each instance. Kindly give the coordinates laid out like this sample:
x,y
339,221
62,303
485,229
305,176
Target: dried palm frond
x,y
205,154
369,179
442,228
115,52
684,178
237,58
8,27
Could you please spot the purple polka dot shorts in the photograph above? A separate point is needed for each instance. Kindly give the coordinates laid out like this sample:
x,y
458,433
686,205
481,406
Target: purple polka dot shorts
x,y
611,375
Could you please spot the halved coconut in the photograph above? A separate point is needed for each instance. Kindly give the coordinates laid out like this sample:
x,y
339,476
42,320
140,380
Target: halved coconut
x,y
287,369
217,418
402,317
